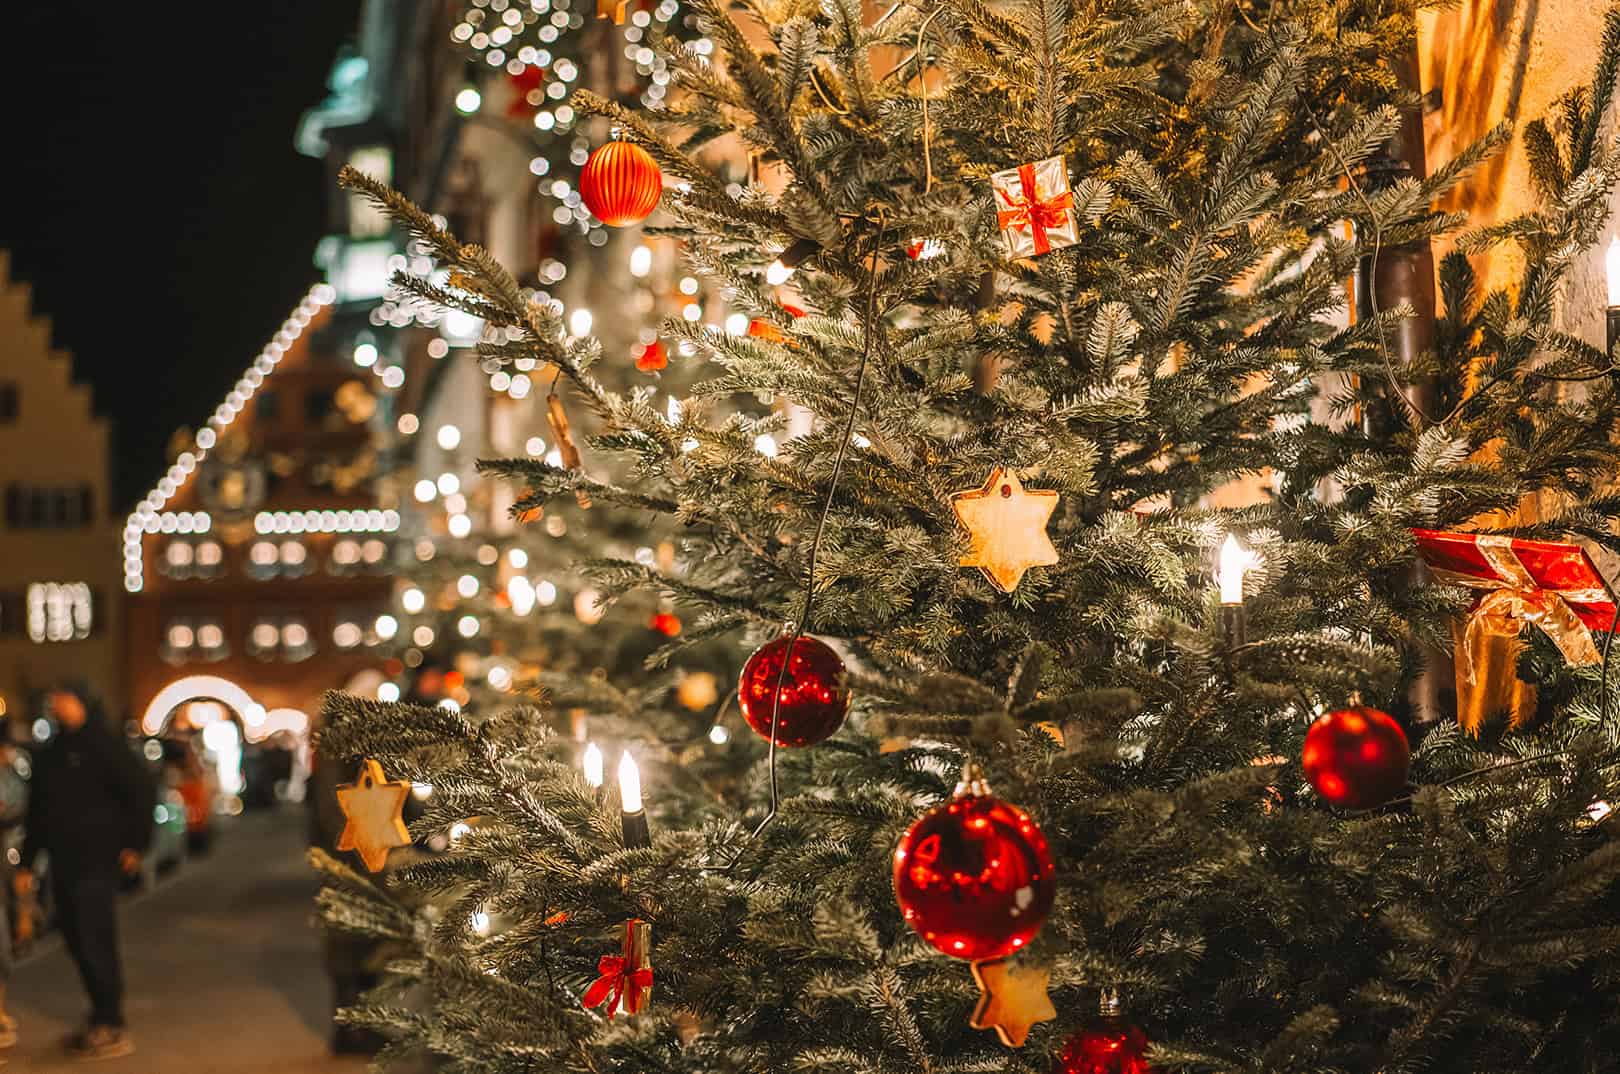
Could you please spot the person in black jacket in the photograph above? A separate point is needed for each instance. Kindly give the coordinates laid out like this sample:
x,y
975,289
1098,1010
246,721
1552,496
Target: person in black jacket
x,y
90,805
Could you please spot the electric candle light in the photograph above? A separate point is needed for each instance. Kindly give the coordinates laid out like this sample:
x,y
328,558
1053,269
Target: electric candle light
x,y
592,763
634,819
1234,563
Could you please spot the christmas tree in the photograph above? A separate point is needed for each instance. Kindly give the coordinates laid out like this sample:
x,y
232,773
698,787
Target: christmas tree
x,y
1058,296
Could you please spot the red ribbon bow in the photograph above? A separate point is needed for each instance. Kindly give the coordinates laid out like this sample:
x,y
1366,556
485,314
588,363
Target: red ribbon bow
x,y
1025,211
614,984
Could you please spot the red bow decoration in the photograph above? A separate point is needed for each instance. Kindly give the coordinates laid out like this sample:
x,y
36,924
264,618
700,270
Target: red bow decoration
x,y
1025,211
617,981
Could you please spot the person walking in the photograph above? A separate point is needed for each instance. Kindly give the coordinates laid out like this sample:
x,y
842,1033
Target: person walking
x,y
13,802
90,805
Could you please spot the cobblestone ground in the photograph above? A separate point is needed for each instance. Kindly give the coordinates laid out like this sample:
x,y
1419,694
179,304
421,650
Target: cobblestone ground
x,y
223,968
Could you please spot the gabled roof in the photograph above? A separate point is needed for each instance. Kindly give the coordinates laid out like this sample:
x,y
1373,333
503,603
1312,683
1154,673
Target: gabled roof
x,y
149,516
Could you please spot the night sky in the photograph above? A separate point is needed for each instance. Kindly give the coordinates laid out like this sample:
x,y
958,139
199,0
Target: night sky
x,y
150,192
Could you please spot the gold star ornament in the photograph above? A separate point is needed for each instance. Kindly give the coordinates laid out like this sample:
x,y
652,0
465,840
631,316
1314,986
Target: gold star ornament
x,y
373,809
1008,526
1012,999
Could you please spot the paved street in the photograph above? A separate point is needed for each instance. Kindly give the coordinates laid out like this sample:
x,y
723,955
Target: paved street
x,y
224,970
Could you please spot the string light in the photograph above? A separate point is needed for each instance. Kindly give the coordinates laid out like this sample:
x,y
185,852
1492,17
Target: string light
x,y
178,474
358,521
592,764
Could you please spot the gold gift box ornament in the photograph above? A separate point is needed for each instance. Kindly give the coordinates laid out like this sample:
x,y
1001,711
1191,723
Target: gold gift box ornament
x,y
1552,585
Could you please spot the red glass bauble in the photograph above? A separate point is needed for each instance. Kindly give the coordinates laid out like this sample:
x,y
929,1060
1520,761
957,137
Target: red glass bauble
x,y
1106,1046
666,623
528,92
974,877
1356,758
652,357
814,697
621,183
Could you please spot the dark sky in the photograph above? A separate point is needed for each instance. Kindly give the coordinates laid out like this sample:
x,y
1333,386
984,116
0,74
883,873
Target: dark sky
x,y
150,192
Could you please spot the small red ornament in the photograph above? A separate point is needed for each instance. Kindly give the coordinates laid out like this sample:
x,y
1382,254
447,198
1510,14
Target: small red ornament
x,y
766,330
666,624
814,697
528,92
974,876
621,183
652,357
1107,1045
1356,758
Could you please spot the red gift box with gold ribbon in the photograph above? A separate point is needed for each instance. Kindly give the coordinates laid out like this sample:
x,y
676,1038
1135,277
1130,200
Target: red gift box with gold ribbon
x,y
1552,585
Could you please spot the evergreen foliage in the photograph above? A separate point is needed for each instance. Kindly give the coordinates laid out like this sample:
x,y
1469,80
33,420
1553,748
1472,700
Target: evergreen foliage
x,y
1217,154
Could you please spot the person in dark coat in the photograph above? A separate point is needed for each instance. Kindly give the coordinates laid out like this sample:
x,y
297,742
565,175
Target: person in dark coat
x,y
90,806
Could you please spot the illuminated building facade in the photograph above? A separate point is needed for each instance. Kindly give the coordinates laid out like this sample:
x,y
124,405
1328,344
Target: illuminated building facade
x,y
261,558
60,596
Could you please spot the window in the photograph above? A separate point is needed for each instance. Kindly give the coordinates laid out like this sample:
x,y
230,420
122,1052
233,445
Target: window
x,y
317,405
9,401
31,507
209,559
268,401
365,219
348,634
270,559
58,611
280,637
13,621
185,558
193,638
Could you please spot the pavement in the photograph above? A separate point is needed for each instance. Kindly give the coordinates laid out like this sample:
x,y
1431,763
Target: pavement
x,y
222,969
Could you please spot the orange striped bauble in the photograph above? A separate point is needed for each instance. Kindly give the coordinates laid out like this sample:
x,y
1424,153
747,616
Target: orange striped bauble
x,y
621,183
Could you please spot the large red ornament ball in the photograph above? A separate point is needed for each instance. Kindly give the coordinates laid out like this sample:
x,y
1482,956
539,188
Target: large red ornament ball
x,y
1356,758
814,697
974,877
1106,1046
621,183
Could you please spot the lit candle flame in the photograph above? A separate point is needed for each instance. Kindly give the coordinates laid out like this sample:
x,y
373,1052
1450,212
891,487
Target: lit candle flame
x,y
629,783
592,763
1611,264
1236,561
777,273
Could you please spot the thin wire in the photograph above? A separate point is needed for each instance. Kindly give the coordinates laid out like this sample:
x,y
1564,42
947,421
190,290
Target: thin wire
x,y
1603,678
922,77
1372,269
799,627
815,83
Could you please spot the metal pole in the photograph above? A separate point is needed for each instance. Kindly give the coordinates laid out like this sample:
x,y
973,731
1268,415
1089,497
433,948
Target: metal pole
x,y
1395,276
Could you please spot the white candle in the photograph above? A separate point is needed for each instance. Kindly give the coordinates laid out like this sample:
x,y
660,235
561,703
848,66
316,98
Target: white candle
x,y
592,763
1235,562
629,784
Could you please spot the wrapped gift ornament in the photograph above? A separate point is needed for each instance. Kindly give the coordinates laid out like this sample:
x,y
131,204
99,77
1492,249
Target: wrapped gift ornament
x,y
1551,585
1035,208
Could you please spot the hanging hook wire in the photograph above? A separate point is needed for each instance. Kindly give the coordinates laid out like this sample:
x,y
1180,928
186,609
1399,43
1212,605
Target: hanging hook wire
x,y
797,629
922,78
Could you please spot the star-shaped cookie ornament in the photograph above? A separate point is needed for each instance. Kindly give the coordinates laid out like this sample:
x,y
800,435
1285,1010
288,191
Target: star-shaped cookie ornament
x,y
1008,527
1012,999
373,809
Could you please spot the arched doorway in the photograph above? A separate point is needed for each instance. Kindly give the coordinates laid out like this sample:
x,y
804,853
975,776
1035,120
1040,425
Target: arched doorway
x,y
207,727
